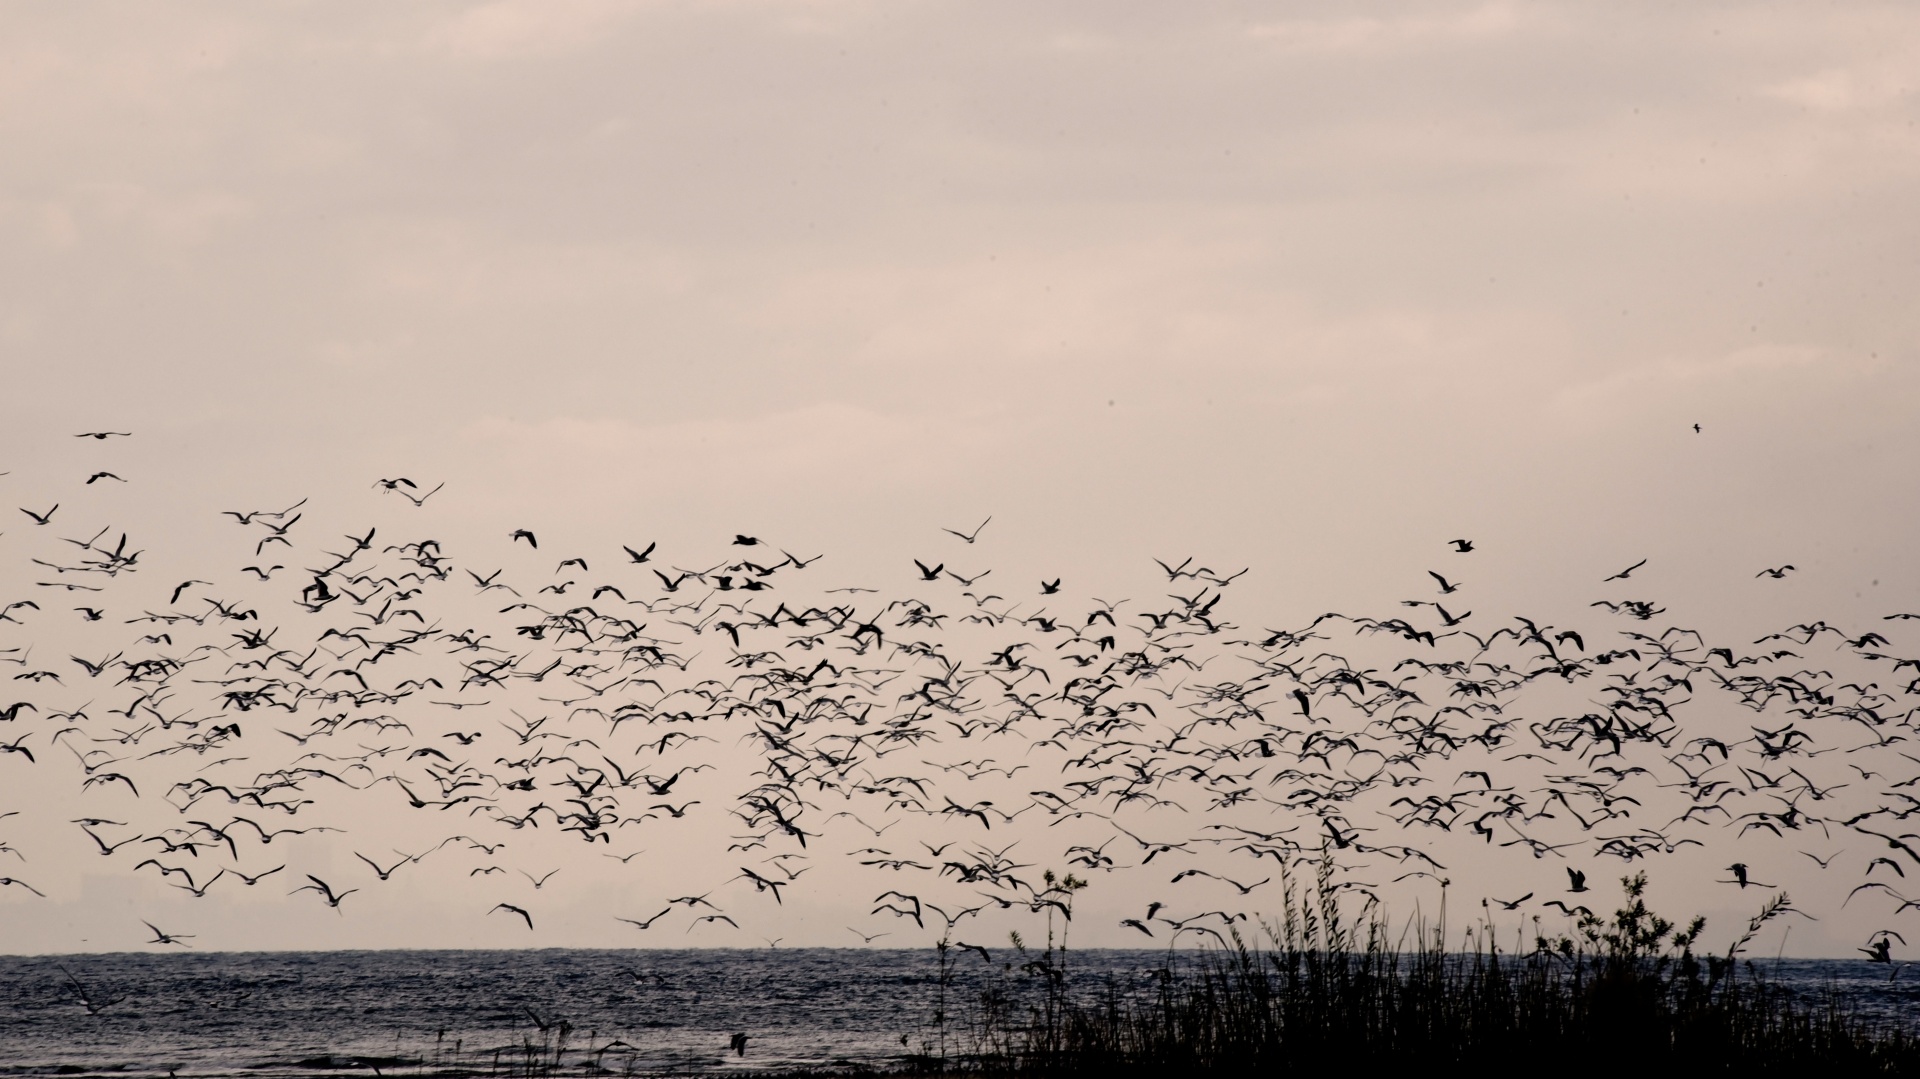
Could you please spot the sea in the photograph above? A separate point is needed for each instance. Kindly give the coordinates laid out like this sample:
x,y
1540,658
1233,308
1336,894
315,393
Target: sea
x,y
404,1013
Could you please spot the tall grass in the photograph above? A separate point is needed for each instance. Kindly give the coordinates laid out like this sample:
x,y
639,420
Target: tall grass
x,y
1321,990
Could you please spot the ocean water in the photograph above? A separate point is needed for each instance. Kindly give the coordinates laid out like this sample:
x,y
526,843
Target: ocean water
x,y
283,1013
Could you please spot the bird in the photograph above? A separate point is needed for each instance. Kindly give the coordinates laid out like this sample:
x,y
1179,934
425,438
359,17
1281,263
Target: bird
x,y
648,923
1576,880
40,518
162,937
6,882
257,877
104,435
102,476
324,890
1461,546
763,884
1447,588
968,536
640,556
509,907
738,1043
524,534
419,499
1625,573
1879,947
182,587
1776,573
383,873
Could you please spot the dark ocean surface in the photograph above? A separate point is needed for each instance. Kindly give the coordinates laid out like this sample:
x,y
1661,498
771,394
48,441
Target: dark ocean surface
x,y
281,1013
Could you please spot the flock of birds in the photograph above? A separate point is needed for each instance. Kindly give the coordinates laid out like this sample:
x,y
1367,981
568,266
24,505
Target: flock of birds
x,y
956,737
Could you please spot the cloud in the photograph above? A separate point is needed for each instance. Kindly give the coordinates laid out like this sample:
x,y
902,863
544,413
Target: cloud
x,y
1845,89
825,442
514,29
1738,376
1375,36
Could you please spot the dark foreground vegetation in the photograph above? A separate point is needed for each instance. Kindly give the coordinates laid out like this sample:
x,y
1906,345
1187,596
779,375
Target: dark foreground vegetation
x,y
1616,996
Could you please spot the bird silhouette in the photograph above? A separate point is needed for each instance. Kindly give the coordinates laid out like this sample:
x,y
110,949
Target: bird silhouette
x,y
162,937
511,909
324,890
969,536
648,923
1625,573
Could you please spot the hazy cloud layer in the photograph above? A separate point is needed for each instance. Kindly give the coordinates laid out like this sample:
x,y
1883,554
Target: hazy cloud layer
x,y
1309,288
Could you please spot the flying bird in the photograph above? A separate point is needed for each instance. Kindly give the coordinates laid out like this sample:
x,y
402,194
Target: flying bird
x,y
968,536
648,924
162,937
9,881
1625,573
324,890
515,910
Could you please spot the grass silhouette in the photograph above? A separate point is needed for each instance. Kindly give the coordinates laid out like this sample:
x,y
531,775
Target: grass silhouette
x,y
1323,991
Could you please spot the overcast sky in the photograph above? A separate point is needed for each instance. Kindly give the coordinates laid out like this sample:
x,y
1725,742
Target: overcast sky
x,y
1307,288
